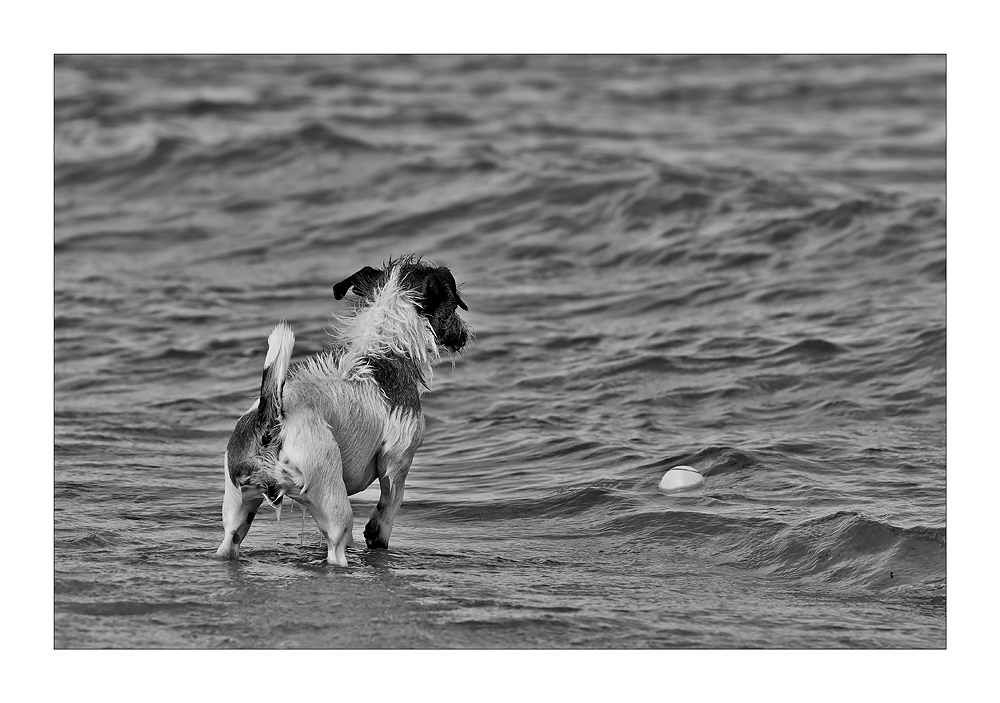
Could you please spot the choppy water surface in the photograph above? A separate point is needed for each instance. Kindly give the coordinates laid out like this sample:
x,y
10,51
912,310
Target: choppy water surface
x,y
732,263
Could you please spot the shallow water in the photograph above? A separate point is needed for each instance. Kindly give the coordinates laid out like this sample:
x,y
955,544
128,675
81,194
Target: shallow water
x,y
728,262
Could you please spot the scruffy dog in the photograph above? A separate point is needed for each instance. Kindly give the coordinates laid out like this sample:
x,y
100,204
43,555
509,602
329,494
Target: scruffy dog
x,y
327,427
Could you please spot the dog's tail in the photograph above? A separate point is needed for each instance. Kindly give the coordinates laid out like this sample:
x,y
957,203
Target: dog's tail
x,y
279,353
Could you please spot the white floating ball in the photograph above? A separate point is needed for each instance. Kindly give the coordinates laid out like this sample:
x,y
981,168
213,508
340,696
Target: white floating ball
x,y
681,478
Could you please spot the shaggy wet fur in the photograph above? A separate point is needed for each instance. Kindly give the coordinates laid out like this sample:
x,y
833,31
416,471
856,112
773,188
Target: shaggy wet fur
x,y
327,427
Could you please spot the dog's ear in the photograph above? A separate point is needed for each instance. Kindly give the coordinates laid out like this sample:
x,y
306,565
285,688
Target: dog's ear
x,y
361,281
435,289
454,291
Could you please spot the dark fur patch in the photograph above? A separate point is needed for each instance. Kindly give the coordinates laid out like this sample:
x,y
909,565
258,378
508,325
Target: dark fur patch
x,y
269,409
398,378
364,282
244,445
373,536
438,300
438,288
251,448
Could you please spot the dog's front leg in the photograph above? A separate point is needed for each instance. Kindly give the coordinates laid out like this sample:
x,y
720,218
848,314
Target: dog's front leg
x,y
391,479
392,469
238,511
404,433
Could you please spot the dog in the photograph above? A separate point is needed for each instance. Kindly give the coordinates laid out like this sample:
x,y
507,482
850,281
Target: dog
x,y
327,427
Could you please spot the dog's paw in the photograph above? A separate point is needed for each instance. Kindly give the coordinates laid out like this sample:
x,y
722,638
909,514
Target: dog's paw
x,y
228,550
373,537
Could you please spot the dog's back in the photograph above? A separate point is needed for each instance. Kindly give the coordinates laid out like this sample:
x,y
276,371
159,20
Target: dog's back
x,y
354,412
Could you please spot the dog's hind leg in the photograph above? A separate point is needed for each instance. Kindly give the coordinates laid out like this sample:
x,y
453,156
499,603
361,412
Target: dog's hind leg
x,y
393,463
310,446
334,516
238,510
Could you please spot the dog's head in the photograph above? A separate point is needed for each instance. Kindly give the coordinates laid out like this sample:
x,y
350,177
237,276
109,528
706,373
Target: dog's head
x,y
435,297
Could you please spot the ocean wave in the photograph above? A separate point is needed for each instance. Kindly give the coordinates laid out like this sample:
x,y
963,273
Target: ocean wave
x,y
812,349
169,158
162,152
135,241
849,549
102,539
565,503
684,525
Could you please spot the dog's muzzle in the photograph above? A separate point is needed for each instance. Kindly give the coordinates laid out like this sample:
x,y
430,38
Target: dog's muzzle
x,y
455,334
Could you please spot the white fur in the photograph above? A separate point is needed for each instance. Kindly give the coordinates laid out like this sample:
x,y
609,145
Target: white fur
x,y
279,348
230,506
400,429
236,506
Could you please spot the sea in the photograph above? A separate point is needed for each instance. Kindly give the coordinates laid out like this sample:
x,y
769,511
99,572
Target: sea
x,y
732,263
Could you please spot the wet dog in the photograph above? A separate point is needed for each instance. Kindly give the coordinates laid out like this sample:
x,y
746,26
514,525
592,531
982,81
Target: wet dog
x,y
327,427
